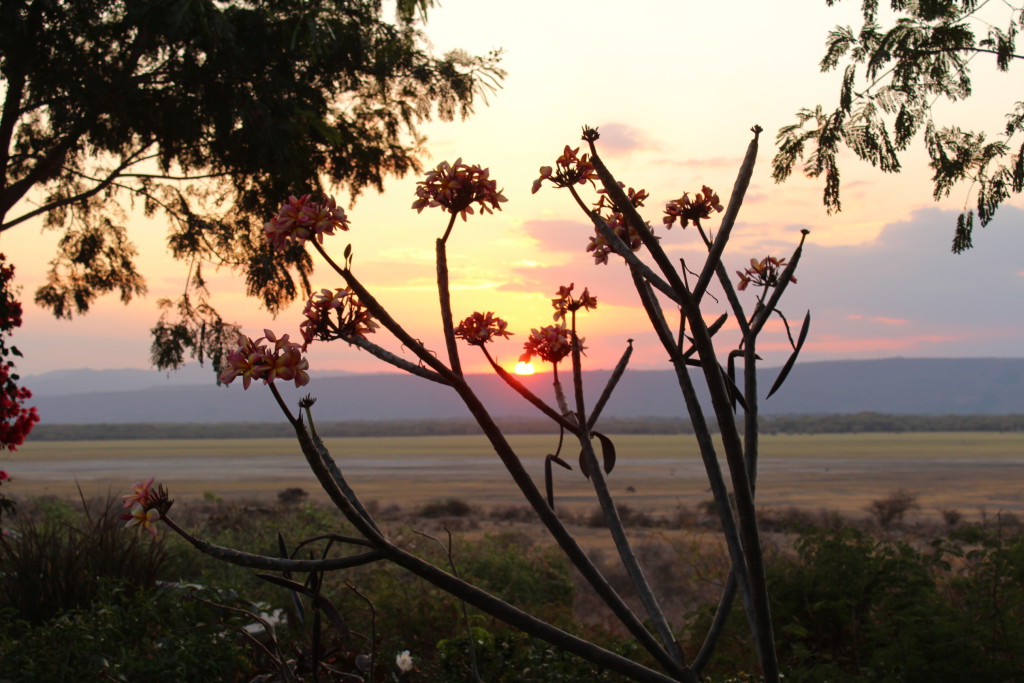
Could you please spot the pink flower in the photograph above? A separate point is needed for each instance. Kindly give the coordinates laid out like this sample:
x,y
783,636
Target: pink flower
x,y
686,210
141,493
244,361
550,343
456,187
299,219
4,476
252,360
480,328
352,317
143,518
763,273
570,169
564,302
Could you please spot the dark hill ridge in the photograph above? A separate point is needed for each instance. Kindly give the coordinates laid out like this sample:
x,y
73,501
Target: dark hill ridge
x,y
899,386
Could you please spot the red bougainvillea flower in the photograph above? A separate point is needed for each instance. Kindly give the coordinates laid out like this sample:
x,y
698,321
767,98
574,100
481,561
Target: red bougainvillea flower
x,y
702,205
763,273
351,317
4,476
550,343
480,328
456,187
252,360
141,493
143,518
570,169
564,302
299,219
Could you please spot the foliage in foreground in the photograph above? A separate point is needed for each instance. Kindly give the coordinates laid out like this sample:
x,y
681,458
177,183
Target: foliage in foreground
x,y
852,603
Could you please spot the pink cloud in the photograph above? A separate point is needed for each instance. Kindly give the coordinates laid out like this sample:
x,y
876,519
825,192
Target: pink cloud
x,y
619,138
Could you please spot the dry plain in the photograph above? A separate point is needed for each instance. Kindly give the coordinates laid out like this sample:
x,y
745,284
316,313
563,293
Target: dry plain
x,y
973,472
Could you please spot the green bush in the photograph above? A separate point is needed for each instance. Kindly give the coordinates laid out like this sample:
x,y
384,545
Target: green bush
x,y
124,635
513,658
851,606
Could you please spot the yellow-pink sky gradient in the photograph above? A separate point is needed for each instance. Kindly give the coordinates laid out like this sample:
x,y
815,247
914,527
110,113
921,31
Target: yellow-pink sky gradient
x,y
674,88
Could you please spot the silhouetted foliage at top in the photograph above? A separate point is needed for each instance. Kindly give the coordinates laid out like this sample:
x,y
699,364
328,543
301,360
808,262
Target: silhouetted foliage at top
x,y
892,78
207,113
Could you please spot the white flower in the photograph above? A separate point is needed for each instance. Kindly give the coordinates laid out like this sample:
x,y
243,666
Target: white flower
x,y
403,660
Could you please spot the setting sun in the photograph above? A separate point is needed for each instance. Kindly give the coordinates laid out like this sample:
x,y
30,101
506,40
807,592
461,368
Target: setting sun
x,y
524,369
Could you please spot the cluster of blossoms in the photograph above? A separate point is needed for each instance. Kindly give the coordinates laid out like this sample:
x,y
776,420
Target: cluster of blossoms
x,y
16,421
695,210
565,303
6,504
550,343
600,246
480,328
353,319
456,187
253,360
569,169
300,219
145,505
763,273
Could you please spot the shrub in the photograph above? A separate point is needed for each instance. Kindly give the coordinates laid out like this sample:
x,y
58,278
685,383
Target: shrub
x,y
853,607
891,510
124,635
54,560
450,507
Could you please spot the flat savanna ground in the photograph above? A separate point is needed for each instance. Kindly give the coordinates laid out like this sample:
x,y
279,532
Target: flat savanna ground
x,y
967,471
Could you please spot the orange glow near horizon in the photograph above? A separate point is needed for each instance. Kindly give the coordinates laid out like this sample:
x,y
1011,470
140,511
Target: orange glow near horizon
x,y
524,369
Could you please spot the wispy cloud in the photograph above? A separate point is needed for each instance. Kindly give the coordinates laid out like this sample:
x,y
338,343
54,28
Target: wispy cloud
x,y
619,139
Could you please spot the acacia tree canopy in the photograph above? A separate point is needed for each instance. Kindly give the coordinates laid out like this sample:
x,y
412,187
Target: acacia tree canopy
x,y
208,112
892,77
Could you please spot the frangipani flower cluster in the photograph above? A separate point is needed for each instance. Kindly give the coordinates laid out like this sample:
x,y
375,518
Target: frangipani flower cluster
x,y
456,187
352,317
253,360
617,222
564,302
145,505
686,210
480,328
550,343
569,169
300,219
763,273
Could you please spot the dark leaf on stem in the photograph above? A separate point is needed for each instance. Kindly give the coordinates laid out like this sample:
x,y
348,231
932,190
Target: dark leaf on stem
x,y
607,452
792,358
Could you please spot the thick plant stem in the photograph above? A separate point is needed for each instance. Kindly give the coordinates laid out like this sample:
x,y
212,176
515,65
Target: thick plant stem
x,y
446,307
277,564
746,513
706,446
526,623
739,189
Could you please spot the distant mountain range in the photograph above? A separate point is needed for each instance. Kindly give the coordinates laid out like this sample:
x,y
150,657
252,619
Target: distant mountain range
x,y
902,386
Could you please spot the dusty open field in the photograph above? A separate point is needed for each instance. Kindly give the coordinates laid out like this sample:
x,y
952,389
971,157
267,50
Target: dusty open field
x,y
969,472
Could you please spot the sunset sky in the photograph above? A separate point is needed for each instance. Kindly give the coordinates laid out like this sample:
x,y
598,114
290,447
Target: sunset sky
x,y
674,88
